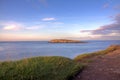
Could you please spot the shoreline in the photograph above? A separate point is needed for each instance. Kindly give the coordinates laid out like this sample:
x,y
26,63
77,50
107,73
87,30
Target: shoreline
x,y
79,66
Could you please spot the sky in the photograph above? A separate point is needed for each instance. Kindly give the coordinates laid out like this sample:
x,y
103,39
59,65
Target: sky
x,y
38,20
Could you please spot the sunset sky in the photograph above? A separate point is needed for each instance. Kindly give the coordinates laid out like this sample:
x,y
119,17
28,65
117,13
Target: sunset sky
x,y
34,20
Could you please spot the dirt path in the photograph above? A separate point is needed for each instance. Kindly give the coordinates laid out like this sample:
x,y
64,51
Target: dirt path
x,y
105,67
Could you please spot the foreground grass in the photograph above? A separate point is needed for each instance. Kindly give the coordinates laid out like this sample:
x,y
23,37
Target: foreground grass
x,y
86,57
39,68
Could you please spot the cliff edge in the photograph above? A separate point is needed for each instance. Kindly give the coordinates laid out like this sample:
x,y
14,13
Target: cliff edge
x,y
103,67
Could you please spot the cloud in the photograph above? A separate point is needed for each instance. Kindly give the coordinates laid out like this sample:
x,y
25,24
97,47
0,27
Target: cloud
x,y
48,19
11,25
34,27
117,18
96,38
112,29
15,26
117,7
1,48
106,5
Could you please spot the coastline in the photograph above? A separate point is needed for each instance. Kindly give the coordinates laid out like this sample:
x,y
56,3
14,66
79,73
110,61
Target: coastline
x,y
78,66
100,65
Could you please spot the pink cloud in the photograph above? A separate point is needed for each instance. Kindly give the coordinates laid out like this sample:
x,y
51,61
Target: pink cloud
x,y
107,29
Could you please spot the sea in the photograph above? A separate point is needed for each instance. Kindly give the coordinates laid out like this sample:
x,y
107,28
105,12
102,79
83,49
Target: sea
x,y
16,50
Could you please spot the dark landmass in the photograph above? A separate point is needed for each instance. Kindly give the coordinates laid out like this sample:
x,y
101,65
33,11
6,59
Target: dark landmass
x,y
65,41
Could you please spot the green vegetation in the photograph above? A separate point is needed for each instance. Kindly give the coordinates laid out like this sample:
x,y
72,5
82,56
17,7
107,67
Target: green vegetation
x,y
86,57
39,68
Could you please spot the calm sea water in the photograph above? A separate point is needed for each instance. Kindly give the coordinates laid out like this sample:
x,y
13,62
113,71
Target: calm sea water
x,y
24,49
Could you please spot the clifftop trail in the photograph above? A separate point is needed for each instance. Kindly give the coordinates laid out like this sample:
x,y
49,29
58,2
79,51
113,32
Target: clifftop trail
x,y
105,67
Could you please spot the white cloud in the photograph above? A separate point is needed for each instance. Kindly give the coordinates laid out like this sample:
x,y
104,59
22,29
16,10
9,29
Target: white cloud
x,y
12,26
48,19
34,27
15,26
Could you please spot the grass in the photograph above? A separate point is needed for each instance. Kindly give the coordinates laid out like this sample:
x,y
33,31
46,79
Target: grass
x,y
40,68
85,57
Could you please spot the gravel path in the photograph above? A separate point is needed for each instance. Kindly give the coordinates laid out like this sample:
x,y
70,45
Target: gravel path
x,y
105,67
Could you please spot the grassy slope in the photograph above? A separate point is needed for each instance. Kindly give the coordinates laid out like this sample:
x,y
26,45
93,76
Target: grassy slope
x,y
85,57
39,68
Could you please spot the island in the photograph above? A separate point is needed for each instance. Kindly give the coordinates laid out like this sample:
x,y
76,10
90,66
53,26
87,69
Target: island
x,y
65,41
